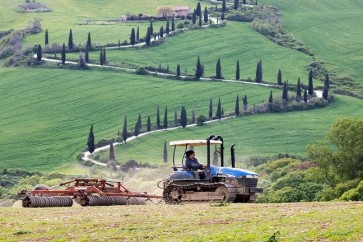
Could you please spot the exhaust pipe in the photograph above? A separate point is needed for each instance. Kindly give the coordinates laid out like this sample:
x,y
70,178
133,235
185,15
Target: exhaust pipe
x,y
233,156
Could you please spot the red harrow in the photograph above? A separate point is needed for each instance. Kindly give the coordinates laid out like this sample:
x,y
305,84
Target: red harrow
x,y
86,192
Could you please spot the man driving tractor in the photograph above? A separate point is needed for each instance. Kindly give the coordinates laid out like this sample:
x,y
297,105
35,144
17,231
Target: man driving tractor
x,y
191,163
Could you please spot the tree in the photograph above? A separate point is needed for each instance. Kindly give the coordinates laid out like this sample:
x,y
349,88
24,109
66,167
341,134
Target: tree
x,y
205,15
236,4
173,23
63,54
270,102
151,27
298,90
89,42
178,70
326,87
279,78
161,33
193,117
104,56
327,81
148,36
222,16
111,155
219,70
86,54
148,125
305,95
137,128
245,103
91,141
176,122
224,6
167,28
138,34
219,109
166,118
285,94
210,114
125,134
201,120
259,72
158,126
198,69
70,40
237,71
236,108
310,86
201,70
46,38
198,11
81,61
200,21
132,37
139,121
101,58
194,17
39,53
183,117
165,153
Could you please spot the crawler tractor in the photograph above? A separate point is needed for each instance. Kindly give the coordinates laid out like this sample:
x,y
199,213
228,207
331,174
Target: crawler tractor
x,y
214,183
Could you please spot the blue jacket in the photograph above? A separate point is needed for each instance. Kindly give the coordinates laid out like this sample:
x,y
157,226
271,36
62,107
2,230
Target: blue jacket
x,y
192,164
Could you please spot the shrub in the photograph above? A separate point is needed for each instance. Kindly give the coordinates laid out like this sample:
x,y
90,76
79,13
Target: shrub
x,y
201,120
141,71
180,25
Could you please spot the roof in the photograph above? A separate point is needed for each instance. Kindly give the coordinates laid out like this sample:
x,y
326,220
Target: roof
x,y
193,142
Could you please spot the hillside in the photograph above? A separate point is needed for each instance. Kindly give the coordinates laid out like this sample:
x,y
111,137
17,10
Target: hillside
x,y
235,222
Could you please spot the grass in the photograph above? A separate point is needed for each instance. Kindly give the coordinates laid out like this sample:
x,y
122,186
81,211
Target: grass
x,y
46,113
332,29
199,222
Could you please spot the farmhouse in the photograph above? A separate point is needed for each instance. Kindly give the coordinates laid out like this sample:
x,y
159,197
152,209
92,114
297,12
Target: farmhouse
x,y
176,11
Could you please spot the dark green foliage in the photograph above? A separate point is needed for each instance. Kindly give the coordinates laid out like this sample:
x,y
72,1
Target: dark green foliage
x,y
270,102
236,4
219,70
178,70
148,125
219,109
237,71
132,37
244,1
327,80
205,15
210,113
202,70
305,95
310,86
173,24
279,78
125,134
236,108
285,90
86,54
222,16
198,69
139,121
201,120
194,17
245,103
166,118
46,38
39,53
148,36
111,155
91,141
167,28
259,72
198,10
137,129
151,27
224,6
165,153
70,40
326,87
89,42
138,34
158,126
63,54
161,33
101,58
104,56
298,90
183,117
200,21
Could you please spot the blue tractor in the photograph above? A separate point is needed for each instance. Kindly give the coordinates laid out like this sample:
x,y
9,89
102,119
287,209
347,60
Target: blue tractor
x,y
213,183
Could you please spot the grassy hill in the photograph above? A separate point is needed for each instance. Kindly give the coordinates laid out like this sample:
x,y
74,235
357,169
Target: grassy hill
x,y
198,222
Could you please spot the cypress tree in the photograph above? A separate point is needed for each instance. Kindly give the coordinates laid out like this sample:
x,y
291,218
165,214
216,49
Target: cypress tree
x,y
219,70
198,11
165,153
222,112
161,33
132,37
244,1
125,134
245,103
151,27
298,90
236,4
138,34
70,40
86,54
167,28
305,95
176,118
222,16
326,87
148,36
259,72
104,56
210,114
101,58
205,15
148,126
166,118
63,54
285,95
219,109
178,70
39,53
201,70
81,61
111,155
327,80
311,86
139,121
237,71
224,6
194,17
193,117
91,141
158,118
46,38
270,102
279,78
89,42
200,21
183,117
173,24
137,129
236,109
198,69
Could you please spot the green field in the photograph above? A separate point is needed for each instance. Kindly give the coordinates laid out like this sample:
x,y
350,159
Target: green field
x,y
197,222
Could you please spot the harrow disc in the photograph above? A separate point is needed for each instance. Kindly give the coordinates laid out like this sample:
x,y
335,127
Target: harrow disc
x,y
43,202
